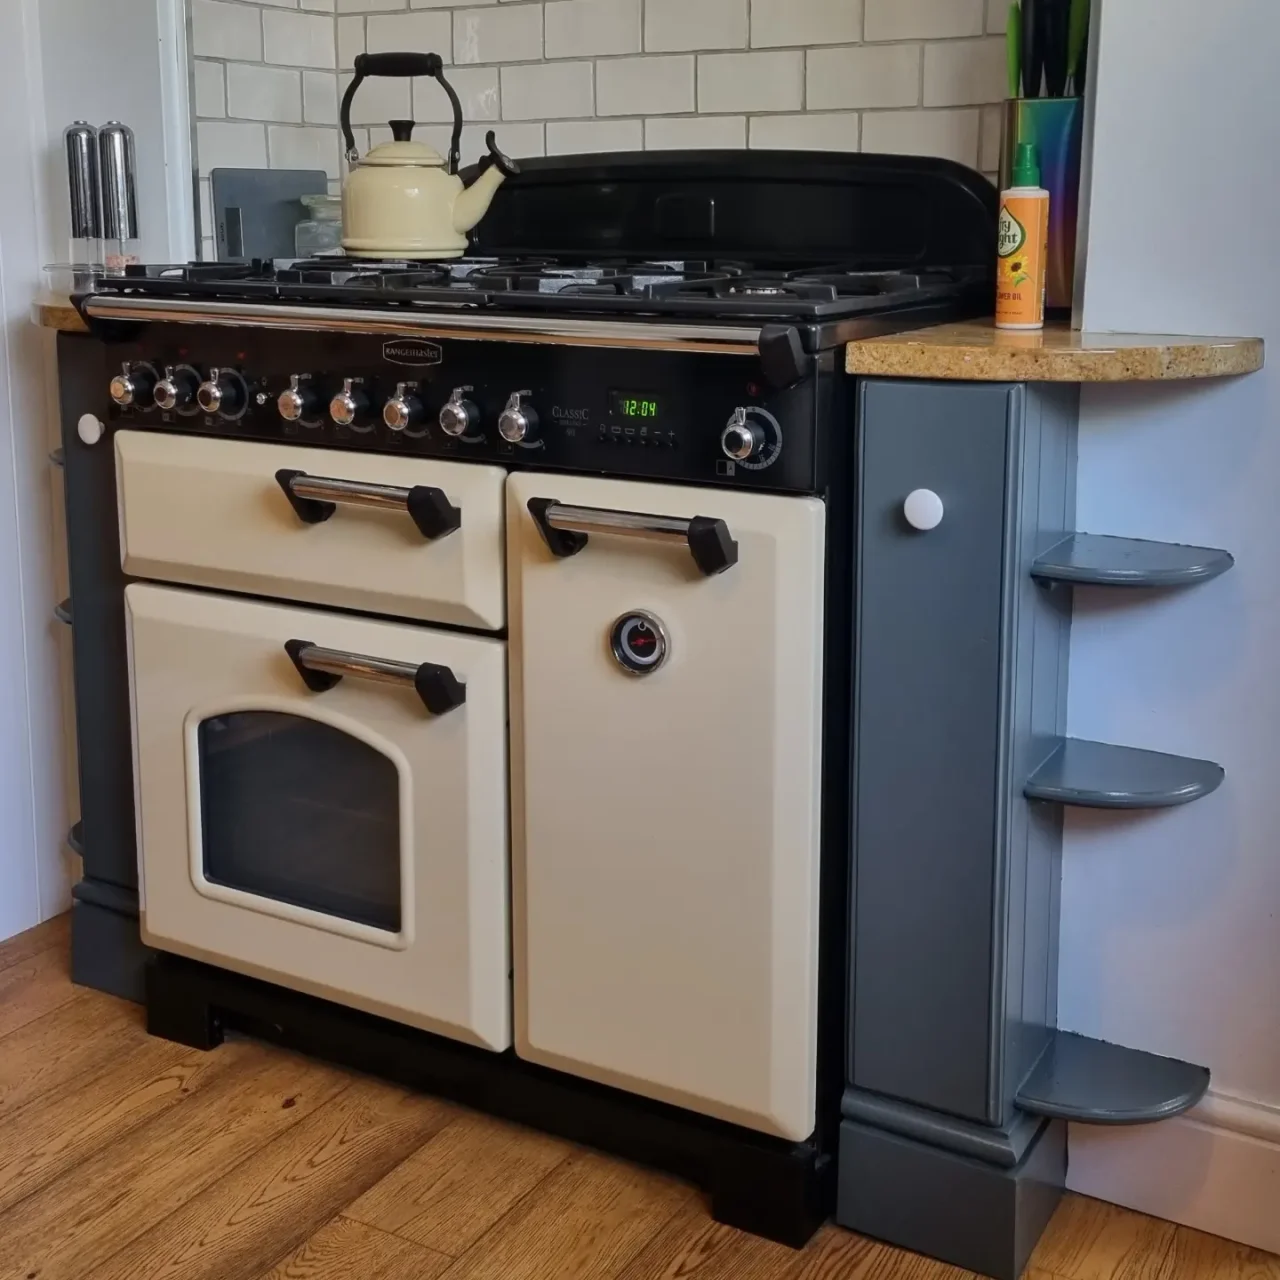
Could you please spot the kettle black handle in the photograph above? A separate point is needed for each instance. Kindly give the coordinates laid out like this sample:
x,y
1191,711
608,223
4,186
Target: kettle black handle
x,y
406,65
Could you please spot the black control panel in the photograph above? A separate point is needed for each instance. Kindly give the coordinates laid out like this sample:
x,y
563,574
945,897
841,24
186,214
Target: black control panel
x,y
705,418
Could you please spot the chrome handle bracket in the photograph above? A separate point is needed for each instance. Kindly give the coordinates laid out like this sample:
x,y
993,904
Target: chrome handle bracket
x,y
320,668
315,498
566,529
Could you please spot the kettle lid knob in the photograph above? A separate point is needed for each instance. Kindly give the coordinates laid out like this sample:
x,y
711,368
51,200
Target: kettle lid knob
x,y
401,130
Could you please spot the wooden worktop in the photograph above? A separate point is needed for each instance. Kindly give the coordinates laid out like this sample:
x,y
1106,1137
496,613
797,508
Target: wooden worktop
x,y
976,351
54,311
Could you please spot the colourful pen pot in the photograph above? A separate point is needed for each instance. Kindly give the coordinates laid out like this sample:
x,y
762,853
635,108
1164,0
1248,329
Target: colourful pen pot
x,y
1054,125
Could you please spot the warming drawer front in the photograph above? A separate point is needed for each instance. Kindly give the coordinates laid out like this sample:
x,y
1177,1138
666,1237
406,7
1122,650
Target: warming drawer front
x,y
666,825
364,531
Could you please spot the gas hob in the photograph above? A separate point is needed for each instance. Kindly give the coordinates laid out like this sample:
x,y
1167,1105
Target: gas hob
x,y
706,247
691,288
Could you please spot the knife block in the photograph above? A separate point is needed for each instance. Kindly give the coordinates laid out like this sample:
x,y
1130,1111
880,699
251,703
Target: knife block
x,y
1055,126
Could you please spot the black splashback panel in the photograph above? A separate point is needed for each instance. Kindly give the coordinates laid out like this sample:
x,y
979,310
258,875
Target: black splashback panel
x,y
764,206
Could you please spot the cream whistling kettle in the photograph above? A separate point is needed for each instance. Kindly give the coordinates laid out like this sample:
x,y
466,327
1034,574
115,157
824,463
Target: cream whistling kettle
x,y
402,200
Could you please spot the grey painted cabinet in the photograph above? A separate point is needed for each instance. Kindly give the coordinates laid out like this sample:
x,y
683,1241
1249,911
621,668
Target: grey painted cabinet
x,y
960,684
958,1081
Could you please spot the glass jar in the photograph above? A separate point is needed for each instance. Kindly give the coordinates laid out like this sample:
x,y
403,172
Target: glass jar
x,y
321,230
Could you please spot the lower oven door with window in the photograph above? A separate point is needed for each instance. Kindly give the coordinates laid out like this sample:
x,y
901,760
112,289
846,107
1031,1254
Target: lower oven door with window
x,y
322,803
666,708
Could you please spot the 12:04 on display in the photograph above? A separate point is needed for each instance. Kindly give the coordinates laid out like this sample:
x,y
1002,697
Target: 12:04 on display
x,y
634,406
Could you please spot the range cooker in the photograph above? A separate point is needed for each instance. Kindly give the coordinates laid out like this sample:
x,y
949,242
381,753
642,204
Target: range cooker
x,y
488,631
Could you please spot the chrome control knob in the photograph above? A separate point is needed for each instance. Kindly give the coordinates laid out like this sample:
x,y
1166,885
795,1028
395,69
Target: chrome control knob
x,y
301,400
741,440
518,423
349,405
458,416
133,385
177,389
404,409
222,392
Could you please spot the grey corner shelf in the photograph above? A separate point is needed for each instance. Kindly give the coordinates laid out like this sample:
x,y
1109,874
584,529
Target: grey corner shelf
x,y
62,612
1078,1078
1128,562
1098,775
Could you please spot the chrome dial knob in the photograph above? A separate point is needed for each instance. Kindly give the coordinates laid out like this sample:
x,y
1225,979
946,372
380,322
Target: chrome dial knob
x,y
222,392
349,405
301,400
133,385
176,389
404,409
458,416
741,440
518,423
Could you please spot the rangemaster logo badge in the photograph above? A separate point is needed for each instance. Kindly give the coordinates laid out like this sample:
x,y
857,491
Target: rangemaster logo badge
x,y
414,354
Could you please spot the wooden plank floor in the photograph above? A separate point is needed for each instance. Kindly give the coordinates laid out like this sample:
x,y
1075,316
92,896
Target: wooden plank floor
x,y
125,1156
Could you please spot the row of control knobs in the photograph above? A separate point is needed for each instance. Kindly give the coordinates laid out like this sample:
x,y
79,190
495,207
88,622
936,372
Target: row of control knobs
x,y
224,392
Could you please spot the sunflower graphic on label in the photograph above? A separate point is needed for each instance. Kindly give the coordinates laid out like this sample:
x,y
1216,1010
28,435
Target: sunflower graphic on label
x,y
1011,239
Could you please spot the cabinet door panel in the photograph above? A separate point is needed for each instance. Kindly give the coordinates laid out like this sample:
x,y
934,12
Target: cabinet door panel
x,y
665,826
928,679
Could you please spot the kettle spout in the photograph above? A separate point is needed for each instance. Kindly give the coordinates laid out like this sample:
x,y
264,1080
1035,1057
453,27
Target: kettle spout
x,y
473,201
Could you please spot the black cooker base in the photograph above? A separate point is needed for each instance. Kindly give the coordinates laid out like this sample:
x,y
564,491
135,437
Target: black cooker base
x,y
783,1191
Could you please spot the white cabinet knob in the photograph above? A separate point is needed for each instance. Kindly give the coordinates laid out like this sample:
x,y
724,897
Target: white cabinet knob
x,y
89,428
923,509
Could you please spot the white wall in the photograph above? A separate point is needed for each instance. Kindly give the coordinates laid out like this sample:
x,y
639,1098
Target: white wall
x,y
67,59
34,877
1171,921
121,60
918,76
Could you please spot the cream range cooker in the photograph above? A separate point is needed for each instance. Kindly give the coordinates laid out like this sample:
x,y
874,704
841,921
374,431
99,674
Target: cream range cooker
x,y
486,628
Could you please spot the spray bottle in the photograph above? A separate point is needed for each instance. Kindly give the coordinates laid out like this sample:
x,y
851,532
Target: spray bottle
x,y
1022,245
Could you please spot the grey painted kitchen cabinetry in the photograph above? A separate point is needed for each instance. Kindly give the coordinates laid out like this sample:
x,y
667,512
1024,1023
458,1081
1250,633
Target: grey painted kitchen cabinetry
x,y
958,1082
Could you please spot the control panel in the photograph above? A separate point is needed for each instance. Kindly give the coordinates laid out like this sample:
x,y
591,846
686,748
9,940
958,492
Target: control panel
x,y
700,417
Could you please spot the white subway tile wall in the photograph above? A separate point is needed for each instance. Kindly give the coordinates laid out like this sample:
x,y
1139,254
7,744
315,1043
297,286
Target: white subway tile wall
x,y
566,76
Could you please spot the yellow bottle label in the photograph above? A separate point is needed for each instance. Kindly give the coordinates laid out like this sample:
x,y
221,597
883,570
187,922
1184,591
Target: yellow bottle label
x,y
1022,247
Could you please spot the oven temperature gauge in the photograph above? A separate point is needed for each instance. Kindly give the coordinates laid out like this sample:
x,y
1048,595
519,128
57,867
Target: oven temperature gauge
x,y
752,438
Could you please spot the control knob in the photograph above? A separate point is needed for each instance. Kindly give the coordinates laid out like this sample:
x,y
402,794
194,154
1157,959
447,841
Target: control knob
x,y
518,422
222,392
177,388
133,385
741,440
404,409
752,438
458,415
300,401
350,405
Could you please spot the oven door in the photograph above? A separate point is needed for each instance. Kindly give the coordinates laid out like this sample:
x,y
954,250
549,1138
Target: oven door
x,y
665,762
322,803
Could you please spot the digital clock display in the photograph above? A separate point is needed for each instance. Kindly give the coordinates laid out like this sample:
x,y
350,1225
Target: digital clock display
x,y
635,406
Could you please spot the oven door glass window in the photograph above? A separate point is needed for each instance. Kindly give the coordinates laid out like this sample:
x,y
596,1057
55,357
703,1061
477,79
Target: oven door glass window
x,y
298,811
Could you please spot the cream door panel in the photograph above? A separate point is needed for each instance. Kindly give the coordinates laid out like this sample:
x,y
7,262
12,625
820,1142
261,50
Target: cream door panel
x,y
211,513
666,826
199,659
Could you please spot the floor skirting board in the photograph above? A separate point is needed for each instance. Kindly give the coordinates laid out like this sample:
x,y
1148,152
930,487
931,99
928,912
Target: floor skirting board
x,y
1217,1168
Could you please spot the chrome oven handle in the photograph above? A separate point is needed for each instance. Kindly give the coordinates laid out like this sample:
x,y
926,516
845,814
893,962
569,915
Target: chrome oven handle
x,y
321,668
315,498
564,528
